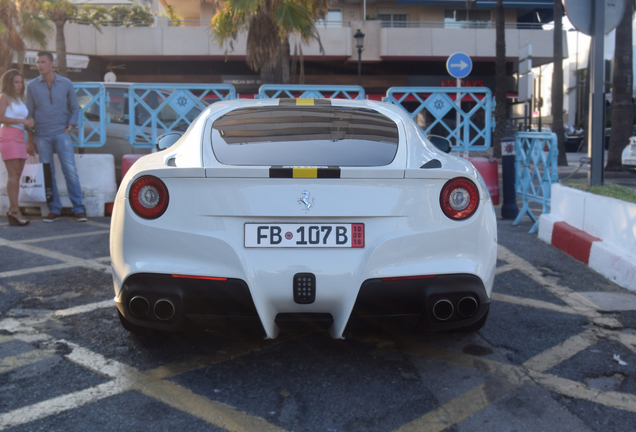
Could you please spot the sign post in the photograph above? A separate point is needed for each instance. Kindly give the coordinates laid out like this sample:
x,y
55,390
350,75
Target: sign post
x,y
459,65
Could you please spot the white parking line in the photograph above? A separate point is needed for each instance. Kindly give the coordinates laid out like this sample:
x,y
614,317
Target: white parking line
x,y
503,378
60,404
67,260
84,308
578,303
63,237
537,304
565,350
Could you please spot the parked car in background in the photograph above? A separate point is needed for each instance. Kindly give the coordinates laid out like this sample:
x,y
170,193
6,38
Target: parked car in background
x,y
118,130
628,157
284,209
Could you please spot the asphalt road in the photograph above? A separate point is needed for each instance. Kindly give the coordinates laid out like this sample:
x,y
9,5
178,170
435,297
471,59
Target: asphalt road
x,y
555,354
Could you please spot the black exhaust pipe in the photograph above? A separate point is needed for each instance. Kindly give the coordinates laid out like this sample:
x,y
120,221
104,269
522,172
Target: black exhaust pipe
x,y
138,306
467,307
164,309
443,309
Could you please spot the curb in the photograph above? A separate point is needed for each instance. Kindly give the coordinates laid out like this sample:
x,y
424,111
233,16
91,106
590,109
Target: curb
x,y
595,230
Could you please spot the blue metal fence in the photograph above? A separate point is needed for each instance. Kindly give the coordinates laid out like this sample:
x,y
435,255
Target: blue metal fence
x,y
92,120
536,170
461,114
273,91
155,109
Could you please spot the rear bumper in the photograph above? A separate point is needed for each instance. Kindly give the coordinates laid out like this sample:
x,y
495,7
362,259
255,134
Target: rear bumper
x,y
417,298
230,299
628,167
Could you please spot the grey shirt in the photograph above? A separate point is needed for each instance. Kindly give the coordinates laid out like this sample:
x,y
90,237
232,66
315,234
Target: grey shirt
x,y
52,109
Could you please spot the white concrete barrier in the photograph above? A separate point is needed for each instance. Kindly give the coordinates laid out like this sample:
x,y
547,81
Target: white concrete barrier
x,y
611,220
97,178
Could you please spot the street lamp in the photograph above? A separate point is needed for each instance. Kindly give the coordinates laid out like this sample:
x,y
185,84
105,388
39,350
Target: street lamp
x,y
359,36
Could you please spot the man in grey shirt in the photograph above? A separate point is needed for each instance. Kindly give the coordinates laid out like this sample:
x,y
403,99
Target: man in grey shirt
x,y
52,104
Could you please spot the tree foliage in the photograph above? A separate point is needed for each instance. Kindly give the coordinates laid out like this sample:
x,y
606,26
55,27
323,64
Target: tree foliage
x,y
19,23
130,16
268,23
59,12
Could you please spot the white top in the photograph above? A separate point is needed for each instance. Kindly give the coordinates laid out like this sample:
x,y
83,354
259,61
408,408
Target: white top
x,y
16,110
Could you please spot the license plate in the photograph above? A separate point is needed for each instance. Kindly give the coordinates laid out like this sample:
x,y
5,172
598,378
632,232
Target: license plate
x,y
304,235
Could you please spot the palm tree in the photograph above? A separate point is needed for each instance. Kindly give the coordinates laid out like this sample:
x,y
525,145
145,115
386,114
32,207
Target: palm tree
x,y
59,12
269,23
557,83
501,108
10,40
622,91
17,24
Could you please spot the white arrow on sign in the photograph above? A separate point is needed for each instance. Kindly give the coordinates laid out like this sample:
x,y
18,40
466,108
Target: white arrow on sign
x,y
461,65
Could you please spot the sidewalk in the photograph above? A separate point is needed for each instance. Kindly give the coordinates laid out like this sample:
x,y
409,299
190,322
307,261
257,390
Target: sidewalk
x,y
596,230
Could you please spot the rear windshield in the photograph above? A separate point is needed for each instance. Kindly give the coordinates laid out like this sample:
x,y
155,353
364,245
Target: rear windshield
x,y
304,136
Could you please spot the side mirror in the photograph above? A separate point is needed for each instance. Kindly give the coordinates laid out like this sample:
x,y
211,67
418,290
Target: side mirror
x,y
440,142
167,140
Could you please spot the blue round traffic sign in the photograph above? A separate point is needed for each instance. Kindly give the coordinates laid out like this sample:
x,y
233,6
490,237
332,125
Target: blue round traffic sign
x,y
459,65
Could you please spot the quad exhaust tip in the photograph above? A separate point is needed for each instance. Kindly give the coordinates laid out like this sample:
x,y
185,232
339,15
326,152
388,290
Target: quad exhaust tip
x,y
467,307
164,309
139,306
443,309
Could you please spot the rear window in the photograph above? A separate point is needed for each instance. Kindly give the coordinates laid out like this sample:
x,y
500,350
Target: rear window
x,y
304,136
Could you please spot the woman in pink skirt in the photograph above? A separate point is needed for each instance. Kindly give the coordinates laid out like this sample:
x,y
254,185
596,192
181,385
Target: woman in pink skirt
x,y
14,117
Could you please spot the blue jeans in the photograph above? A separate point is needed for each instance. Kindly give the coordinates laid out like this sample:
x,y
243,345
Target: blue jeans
x,y
63,146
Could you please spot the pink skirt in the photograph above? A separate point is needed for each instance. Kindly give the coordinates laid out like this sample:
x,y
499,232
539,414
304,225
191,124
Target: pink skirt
x,y
12,143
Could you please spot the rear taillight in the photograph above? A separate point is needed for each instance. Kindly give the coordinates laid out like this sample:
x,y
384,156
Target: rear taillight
x,y
149,197
459,198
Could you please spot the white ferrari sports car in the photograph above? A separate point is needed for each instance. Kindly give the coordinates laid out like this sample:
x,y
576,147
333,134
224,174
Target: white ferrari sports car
x,y
302,209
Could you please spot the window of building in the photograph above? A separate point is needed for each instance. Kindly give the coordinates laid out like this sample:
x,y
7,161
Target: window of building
x,y
333,19
394,20
462,18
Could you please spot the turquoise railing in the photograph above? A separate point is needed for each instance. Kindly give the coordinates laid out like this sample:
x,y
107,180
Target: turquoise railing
x,y
92,120
535,171
468,124
161,108
274,91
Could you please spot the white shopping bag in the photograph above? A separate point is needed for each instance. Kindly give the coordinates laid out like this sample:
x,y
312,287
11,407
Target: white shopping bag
x,y
35,182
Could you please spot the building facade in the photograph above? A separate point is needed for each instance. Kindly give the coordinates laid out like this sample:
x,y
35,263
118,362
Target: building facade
x,y
407,43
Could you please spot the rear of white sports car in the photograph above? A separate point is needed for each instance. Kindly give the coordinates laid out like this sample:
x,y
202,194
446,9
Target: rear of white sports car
x,y
278,210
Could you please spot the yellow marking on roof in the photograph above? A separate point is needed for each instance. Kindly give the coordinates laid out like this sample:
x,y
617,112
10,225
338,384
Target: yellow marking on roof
x,y
304,101
305,172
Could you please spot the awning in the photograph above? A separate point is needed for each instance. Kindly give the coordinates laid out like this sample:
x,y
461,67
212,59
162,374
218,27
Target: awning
x,y
73,61
539,4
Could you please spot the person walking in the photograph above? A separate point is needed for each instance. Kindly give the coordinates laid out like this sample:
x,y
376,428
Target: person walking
x,y
14,117
52,104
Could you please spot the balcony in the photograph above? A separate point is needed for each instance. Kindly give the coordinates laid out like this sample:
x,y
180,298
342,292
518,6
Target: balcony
x,y
415,41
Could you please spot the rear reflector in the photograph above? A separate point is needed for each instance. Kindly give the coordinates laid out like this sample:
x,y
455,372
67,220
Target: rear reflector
x,y
402,278
199,277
